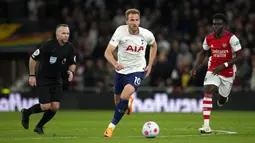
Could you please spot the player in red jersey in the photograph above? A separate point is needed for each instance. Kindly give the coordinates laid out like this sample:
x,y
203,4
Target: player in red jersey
x,y
226,51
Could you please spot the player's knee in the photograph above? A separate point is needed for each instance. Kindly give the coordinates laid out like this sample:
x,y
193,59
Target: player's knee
x,y
45,107
222,99
116,101
127,92
125,96
210,89
54,107
123,105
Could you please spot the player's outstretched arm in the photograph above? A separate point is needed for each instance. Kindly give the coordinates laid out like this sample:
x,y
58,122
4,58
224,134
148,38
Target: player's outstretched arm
x,y
153,53
237,48
199,61
108,54
239,57
200,58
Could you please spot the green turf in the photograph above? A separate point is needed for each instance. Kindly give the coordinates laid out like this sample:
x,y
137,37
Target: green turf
x,y
88,127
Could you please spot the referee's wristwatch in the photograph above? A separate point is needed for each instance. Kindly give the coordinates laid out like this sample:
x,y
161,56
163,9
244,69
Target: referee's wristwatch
x,y
226,64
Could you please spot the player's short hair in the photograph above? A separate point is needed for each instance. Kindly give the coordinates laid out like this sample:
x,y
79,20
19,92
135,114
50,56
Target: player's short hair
x,y
62,25
132,11
221,16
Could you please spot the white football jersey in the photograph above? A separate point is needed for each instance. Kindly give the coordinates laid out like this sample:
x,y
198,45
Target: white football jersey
x,y
131,48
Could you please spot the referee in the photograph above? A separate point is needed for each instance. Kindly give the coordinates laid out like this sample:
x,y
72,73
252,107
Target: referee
x,y
45,67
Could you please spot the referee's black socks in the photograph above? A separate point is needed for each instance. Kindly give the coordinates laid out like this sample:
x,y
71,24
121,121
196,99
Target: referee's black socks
x,y
47,116
34,109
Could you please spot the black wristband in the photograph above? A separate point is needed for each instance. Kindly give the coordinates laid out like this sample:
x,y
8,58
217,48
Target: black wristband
x,y
31,75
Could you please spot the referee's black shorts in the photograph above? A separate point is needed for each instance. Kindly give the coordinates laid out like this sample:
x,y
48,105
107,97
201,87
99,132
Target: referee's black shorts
x,y
48,94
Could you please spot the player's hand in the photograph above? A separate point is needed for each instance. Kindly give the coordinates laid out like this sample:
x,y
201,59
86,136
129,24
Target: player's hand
x,y
218,69
118,67
147,70
70,75
193,72
32,81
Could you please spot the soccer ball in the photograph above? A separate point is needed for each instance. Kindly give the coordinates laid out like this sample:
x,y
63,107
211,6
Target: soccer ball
x,y
150,129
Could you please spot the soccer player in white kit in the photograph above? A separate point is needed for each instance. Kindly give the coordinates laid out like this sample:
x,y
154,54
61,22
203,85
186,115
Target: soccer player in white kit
x,y
131,68
226,51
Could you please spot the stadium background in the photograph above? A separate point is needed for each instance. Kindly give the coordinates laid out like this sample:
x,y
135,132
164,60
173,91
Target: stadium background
x,y
178,25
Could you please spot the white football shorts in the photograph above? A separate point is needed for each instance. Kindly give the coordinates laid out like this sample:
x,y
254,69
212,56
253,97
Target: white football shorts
x,y
224,84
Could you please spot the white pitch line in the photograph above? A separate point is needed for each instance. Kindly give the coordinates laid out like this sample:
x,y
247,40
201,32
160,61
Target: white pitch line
x,y
163,136
220,132
177,136
223,131
39,138
144,137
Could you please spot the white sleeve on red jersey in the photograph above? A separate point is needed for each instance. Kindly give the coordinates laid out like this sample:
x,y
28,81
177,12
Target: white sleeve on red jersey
x,y
235,44
205,45
115,40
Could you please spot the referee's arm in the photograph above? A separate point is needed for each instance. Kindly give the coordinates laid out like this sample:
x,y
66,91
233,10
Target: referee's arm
x,y
32,66
32,60
72,60
72,64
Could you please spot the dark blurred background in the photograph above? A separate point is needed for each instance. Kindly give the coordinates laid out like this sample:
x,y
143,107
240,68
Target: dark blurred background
x,y
179,27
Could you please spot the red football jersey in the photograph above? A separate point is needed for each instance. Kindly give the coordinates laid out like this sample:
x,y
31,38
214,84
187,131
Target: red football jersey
x,y
223,50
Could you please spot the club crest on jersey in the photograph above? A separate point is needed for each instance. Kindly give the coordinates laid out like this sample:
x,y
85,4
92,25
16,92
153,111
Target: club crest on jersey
x,y
53,60
224,45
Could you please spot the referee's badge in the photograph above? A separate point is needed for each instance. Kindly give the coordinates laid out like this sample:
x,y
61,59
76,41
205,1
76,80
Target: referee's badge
x,y
36,53
53,60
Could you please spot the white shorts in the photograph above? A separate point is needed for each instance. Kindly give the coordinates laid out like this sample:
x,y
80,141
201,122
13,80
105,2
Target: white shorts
x,y
224,84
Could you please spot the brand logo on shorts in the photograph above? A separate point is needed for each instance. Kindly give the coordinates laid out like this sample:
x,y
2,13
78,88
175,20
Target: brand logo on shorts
x,y
53,60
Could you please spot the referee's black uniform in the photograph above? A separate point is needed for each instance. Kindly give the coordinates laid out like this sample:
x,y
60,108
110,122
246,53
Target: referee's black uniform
x,y
52,58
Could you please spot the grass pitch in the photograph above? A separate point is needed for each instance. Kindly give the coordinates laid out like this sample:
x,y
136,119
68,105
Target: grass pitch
x,y
89,126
